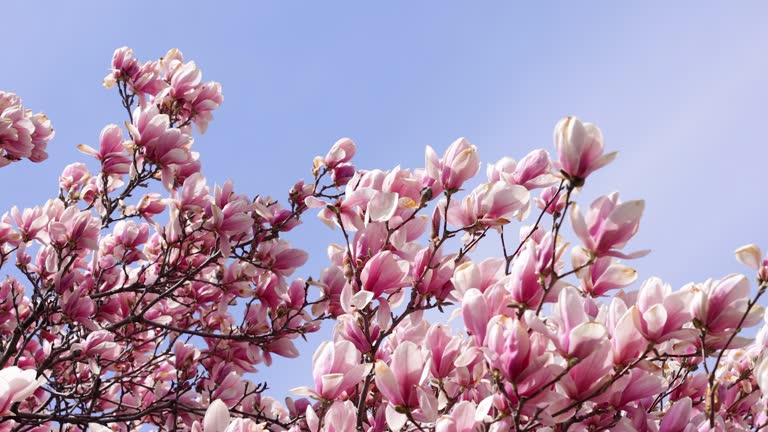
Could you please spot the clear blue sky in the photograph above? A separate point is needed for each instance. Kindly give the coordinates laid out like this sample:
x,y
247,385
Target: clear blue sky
x,y
679,90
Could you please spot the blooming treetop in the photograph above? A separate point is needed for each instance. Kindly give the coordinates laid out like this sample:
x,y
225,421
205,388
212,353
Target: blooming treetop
x,y
145,297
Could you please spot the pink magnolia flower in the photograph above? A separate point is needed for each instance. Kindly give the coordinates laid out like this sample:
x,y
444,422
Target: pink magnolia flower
x,y
331,283
444,350
233,220
342,151
124,66
603,275
761,374
433,272
112,153
22,133
341,417
580,149
751,256
399,381
490,204
342,174
627,343
348,329
480,276
637,384
589,374
148,125
678,418
184,79
532,172
100,343
459,163
461,419
577,335
523,282
216,417
150,205
695,388
608,225
336,368
74,229
206,98
475,311
73,178
383,274
551,200
16,385
509,347
8,236
142,79
719,305
342,212
660,314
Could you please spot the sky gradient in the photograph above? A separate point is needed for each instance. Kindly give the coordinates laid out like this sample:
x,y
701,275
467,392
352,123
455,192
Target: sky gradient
x,y
679,90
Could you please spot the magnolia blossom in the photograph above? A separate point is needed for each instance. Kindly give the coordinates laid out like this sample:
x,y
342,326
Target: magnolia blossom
x,y
400,380
22,134
719,306
459,163
602,275
490,204
16,385
660,314
337,368
751,257
580,149
608,225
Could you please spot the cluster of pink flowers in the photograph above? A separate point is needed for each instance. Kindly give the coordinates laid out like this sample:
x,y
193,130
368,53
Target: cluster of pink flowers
x,y
172,85
23,135
154,307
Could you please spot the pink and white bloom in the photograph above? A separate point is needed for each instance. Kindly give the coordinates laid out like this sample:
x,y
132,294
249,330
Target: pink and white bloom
x,y
341,152
216,417
459,163
523,283
751,256
577,335
719,305
341,417
399,381
678,418
580,149
608,225
461,419
552,200
660,314
532,171
112,153
22,133
16,385
337,368
384,273
443,349
490,204
761,374
604,274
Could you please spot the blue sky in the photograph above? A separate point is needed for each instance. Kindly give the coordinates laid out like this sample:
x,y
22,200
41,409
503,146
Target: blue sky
x,y
679,90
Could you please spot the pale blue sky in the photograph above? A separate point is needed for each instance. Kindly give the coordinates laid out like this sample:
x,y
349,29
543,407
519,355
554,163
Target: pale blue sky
x,y
679,90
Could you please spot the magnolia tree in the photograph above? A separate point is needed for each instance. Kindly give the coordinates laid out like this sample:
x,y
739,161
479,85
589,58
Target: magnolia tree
x,y
144,297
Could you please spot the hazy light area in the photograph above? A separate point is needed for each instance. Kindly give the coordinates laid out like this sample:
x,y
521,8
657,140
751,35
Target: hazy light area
x,y
679,90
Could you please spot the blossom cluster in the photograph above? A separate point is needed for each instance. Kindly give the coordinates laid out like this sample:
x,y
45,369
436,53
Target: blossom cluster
x,y
23,135
143,292
546,344
154,307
